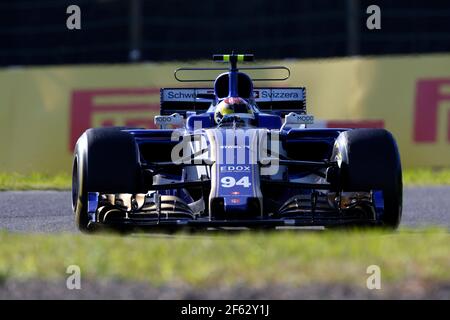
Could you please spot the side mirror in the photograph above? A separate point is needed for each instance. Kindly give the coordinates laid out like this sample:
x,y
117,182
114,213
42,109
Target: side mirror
x,y
295,120
175,120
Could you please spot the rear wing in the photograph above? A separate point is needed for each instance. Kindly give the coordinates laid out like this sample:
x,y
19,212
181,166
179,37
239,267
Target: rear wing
x,y
279,101
182,100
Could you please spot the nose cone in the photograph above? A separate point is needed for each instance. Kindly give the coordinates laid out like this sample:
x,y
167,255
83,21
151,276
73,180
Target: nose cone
x,y
235,186
235,208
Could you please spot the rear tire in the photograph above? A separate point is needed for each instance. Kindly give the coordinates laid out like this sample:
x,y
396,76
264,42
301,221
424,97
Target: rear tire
x,y
106,160
369,160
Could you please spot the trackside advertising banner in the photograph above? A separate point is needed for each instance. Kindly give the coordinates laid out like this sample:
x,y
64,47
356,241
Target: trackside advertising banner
x,y
44,110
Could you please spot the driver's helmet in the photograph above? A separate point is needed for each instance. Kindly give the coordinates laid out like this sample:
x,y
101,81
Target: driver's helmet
x,y
233,106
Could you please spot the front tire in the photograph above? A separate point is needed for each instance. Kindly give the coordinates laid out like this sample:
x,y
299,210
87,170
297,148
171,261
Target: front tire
x,y
368,160
106,160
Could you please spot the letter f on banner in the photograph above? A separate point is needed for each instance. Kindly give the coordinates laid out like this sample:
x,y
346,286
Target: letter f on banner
x,y
429,95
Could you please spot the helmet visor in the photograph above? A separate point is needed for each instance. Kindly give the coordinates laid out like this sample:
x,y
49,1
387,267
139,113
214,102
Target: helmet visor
x,y
241,108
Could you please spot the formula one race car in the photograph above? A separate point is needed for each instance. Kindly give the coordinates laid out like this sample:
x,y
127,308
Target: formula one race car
x,y
235,156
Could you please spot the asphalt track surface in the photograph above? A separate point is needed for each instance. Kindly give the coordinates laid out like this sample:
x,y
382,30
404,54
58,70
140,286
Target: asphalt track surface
x,y
51,212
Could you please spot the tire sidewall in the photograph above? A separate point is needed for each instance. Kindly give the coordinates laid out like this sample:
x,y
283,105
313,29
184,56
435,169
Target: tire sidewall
x,y
105,160
79,171
368,159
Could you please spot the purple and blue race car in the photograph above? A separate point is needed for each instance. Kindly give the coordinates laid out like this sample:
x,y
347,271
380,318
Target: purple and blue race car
x,y
235,156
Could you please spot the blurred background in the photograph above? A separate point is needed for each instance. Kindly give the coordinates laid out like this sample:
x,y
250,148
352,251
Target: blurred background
x,y
120,31
55,82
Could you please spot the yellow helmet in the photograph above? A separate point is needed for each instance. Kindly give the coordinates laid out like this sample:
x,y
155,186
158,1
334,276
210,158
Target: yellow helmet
x,y
233,106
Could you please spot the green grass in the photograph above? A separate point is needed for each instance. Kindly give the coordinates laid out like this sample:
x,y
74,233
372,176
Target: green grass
x,y
414,177
34,181
248,259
